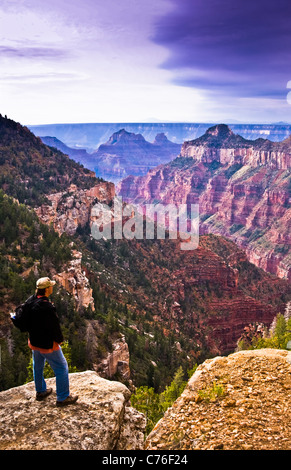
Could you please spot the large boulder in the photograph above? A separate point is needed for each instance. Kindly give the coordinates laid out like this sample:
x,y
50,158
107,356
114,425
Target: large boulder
x,y
101,419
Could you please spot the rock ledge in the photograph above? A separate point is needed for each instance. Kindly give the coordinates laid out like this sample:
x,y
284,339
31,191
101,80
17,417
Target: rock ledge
x,y
252,413
102,419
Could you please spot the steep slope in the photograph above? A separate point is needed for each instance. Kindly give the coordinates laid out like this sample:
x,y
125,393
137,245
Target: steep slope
x,y
78,154
30,170
181,307
242,188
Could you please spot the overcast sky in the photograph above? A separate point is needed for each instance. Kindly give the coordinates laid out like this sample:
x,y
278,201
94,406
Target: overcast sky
x,y
65,61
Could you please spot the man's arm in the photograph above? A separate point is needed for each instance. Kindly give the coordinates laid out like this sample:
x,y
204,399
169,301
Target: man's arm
x,y
55,325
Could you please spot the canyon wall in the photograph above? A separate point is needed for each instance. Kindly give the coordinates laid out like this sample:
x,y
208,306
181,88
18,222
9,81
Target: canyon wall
x,y
246,156
242,188
220,144
210,299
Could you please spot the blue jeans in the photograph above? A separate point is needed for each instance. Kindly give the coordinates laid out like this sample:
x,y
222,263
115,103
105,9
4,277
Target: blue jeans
x,y
59,365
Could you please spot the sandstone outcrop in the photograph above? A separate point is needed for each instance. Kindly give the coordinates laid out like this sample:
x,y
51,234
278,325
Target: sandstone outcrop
x,y
74,281
238,402
67,211
116,362
71,208
102,418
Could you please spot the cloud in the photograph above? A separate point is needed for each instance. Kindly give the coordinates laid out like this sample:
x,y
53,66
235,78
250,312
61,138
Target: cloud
x,y
242,45
33,52
41,77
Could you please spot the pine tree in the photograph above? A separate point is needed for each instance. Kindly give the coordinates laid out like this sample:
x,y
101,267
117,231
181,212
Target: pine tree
x,y
287,314
174,390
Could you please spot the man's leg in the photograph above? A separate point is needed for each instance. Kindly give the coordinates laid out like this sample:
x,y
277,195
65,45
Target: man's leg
x,y
58,363
38,361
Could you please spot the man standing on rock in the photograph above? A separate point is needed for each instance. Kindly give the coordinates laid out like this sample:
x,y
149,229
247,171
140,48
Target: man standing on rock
x,y
45,336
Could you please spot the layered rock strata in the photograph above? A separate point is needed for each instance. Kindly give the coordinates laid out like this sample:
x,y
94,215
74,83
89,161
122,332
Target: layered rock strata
x,y
242,188
208,297
220,144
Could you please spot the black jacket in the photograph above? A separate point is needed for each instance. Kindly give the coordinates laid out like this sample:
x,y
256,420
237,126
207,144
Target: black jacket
x,y
43,323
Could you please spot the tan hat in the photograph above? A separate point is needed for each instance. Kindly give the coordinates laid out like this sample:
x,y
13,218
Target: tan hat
x,y
44,282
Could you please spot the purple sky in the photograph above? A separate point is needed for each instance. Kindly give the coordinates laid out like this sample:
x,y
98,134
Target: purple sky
x,y
167,60
239,45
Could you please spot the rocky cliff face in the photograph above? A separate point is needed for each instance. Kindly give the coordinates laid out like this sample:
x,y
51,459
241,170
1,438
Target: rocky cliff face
x,y
242,188
116,362
102,418
70,208
220,144
67,211
239,402
212,293
74,281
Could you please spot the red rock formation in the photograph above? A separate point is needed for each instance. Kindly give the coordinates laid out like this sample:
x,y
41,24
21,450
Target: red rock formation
x,y
242,188
206,296
220,144
210,284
